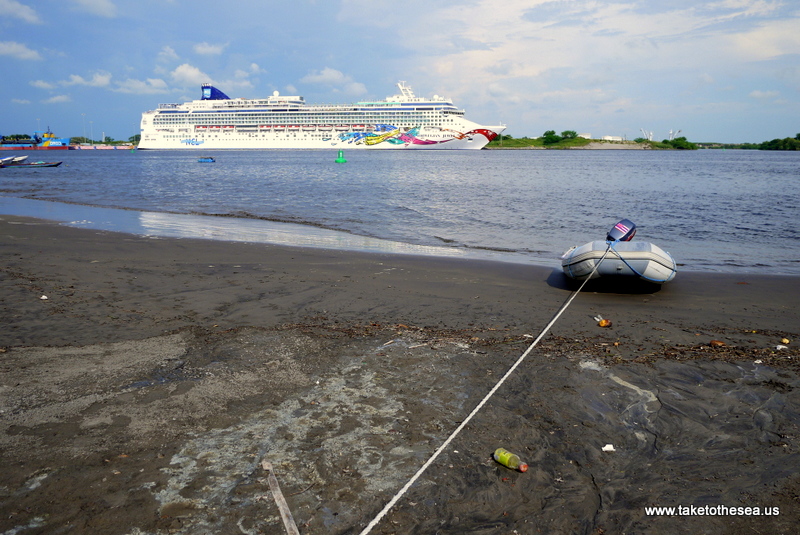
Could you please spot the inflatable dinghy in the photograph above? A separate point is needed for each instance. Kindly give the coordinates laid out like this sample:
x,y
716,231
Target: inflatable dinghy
x,y
624,258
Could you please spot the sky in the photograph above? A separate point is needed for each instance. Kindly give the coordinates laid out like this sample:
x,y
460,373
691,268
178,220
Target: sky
x,y
725,70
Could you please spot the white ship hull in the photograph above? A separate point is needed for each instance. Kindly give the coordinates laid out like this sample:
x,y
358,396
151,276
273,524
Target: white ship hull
x,y
404,121
277,140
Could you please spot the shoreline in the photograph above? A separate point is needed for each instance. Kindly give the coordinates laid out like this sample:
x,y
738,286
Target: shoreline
x,y
225,228
775,294
594,145
143,393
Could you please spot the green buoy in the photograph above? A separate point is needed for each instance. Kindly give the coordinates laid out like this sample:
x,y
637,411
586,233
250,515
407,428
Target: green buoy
x,y
340,158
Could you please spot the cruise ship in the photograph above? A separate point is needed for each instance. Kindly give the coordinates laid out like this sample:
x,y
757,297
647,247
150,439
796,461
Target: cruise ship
x,y
402,121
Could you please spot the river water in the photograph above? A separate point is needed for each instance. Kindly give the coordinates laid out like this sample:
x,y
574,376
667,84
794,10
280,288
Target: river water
x,y
713,210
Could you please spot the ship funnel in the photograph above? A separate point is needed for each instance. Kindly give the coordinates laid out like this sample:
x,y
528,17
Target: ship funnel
x,y
212,93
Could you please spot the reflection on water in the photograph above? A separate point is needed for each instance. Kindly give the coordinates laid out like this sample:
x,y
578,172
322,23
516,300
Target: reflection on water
x,y
259,231
227,229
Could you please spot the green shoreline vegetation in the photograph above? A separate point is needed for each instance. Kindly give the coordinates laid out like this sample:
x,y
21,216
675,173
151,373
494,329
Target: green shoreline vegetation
x,y
569,140
77,140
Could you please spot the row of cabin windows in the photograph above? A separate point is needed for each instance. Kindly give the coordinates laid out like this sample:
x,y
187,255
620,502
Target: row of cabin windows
x,y
294,120
309,118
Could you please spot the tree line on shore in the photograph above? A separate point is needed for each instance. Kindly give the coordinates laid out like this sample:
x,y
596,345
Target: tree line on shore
x,y
570,139
75,140
787,143
78,140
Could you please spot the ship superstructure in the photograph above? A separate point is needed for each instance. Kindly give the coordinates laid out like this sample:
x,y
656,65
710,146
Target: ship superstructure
x,y
402,121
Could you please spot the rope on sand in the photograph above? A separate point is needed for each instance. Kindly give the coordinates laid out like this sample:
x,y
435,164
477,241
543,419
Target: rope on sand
x,y
480,405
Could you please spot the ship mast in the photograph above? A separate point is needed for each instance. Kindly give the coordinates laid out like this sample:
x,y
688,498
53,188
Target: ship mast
x,y
405,90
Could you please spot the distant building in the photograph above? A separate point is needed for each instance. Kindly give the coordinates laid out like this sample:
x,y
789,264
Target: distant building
x,y
585,136
611,138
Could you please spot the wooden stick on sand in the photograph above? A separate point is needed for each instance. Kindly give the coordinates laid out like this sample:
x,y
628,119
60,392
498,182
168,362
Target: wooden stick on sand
x,y
286,514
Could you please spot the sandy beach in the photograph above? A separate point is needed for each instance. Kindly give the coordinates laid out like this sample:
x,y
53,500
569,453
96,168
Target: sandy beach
x,y
145,380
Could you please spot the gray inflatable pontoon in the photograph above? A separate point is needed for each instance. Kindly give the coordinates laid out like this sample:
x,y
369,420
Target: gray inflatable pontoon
x,y
631,258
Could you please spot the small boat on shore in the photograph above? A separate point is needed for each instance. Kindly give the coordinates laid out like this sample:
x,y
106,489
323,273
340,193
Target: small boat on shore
x,y
619,259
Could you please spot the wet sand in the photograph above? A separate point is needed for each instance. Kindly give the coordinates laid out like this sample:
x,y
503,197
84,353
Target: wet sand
x,y
142,395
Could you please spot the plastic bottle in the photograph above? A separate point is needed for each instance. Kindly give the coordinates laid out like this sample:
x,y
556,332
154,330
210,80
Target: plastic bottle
x,y
510,460
602,322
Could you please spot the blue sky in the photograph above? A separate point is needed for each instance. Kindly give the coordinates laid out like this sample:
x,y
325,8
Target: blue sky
x,y
726,70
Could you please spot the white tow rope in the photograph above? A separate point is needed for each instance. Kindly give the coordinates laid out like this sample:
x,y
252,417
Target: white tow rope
x,y
480,405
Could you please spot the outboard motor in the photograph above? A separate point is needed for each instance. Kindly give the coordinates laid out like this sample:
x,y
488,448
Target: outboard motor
x,y
622,231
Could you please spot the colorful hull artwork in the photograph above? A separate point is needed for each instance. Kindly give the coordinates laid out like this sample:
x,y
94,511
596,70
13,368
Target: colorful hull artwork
x,y
411,137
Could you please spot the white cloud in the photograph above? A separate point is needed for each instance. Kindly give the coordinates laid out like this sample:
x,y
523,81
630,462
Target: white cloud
x,y
13,9
20,101
568,95
705,78
101,8
743,8
41,84
241,74
764,94
207,49
336,80
18,51
477,51
325,76
167,54
99,79
768,40
142,87
57,99
186,75
237,84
